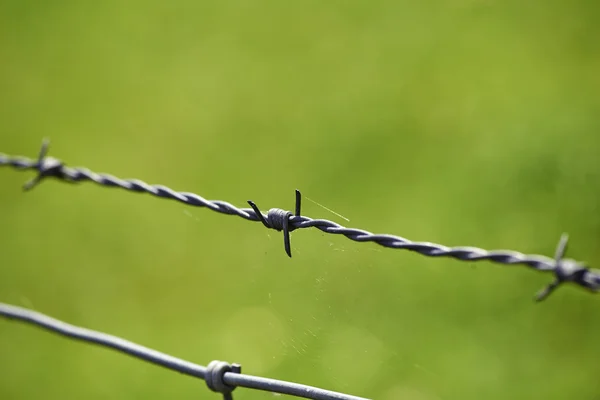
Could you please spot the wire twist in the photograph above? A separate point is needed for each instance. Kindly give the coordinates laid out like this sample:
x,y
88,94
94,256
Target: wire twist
x,y
565,270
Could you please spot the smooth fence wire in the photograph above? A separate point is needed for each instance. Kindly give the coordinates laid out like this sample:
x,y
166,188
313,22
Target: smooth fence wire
x,y
219,376
564,269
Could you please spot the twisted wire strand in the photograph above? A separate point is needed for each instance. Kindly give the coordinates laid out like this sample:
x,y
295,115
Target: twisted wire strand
x,y
565,270
220,377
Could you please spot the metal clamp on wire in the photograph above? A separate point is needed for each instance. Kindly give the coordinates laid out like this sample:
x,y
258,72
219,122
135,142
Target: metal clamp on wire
x,y
46,166
215,373
279,220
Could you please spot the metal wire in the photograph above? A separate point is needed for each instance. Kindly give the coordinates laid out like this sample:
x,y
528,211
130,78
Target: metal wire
x,y
219,376
564,270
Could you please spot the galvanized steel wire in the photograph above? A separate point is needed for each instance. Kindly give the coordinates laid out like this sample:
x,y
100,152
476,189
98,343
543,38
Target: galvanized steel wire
x,y
219,376
564,269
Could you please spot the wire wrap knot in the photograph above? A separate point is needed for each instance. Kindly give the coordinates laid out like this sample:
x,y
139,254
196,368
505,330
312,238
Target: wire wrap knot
x,y
46,166
215,374
279,220
566,270
276,218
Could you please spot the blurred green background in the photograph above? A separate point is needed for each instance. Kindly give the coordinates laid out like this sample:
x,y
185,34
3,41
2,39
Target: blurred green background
x,y
466,122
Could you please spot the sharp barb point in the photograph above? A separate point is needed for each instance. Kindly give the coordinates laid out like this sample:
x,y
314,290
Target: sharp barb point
x,y
298,203
286,236
561,247
31,183
565,270
259,214
43,150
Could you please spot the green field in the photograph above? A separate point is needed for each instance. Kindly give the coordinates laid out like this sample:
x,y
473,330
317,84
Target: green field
x,y
466,122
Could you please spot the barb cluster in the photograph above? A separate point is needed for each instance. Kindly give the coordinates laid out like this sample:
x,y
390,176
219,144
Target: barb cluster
x,y
565,270
219,376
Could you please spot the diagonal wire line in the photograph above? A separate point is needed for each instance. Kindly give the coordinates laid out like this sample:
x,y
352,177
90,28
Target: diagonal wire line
x,y
219,376
564,269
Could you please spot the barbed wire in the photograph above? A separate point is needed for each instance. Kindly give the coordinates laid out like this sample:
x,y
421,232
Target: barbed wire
x,y
219,376
564,269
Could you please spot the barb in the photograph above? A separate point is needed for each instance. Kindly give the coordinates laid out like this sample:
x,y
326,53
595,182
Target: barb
x,y
565,270
219,376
